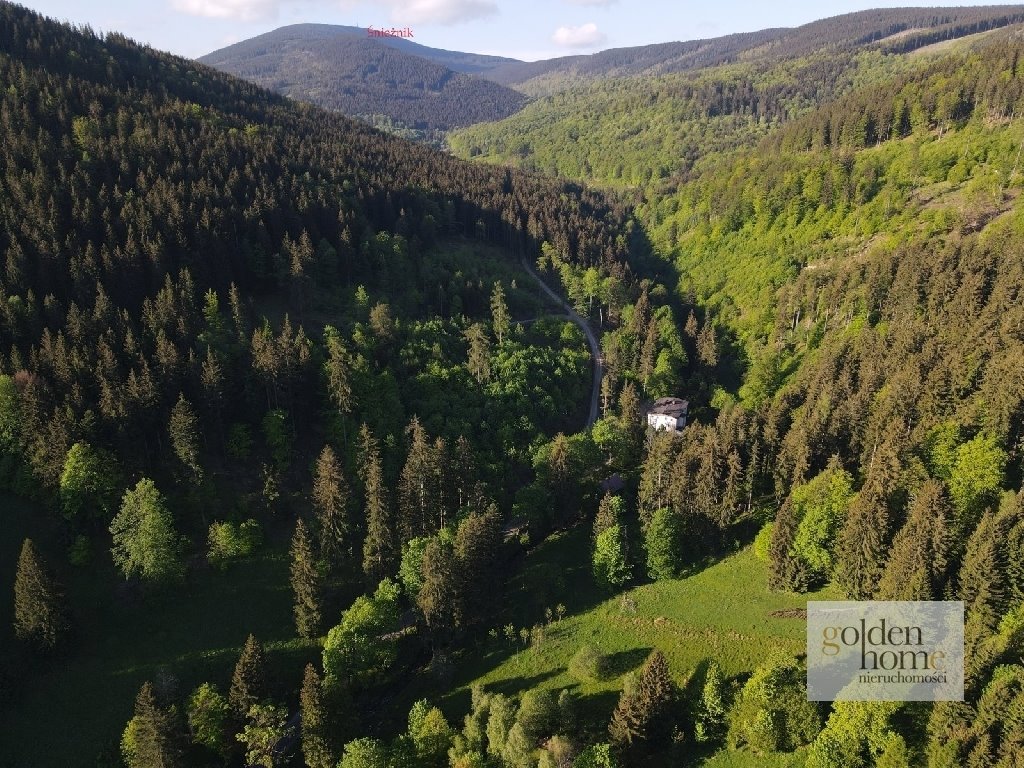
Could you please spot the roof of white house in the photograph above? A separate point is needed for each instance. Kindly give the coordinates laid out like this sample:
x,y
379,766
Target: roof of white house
x,y
670,406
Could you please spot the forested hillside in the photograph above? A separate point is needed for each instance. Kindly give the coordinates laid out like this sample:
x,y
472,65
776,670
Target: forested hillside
x,y
229,322
850,245
389,82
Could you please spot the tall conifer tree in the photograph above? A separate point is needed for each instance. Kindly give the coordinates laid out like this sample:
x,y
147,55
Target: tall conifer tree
x,y
155,740
315,744
643,716
38,604
306,586
380,551
330,502
249,681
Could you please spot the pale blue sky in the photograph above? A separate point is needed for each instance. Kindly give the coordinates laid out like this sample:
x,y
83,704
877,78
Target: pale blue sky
x,y
524,29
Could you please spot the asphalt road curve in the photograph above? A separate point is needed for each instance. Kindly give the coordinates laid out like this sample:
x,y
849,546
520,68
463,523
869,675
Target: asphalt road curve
x,y
595,347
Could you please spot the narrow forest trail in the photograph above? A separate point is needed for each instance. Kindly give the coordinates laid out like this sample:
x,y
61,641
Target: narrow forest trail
x,y
592,342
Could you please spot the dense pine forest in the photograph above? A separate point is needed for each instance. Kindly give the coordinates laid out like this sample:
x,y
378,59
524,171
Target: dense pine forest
x,y
294,449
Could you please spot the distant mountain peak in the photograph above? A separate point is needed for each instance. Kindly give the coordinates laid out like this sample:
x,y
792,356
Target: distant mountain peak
x,y
390,81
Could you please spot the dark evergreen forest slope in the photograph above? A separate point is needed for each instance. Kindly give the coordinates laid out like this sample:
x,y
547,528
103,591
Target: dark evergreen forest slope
x,y
213,299
341,68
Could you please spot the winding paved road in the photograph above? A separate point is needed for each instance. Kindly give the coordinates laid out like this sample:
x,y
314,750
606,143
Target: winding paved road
x,y
595,347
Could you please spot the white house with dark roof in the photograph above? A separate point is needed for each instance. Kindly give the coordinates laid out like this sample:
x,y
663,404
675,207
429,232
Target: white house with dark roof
x,y
668,413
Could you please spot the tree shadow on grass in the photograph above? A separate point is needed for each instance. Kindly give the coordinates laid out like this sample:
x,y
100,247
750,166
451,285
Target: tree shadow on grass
x,y
516,685
457,703
595,712
623,662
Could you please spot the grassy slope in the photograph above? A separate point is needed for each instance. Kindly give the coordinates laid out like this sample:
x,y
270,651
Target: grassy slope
x,y
122,639
721,612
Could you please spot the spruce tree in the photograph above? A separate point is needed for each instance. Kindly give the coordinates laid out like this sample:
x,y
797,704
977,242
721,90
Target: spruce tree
x,y
863,544
467,473
921,550
315,744
865,539
501,320
479,353
644,712
153,738
648,355
336,369
249,681
439,592
306,584
330,502
184,433
38,603
637,326
631,420
417,487
785,571
476,547
379,549
982,579
707,345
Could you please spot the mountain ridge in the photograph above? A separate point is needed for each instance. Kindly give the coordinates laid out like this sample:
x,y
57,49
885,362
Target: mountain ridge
x,y
390,82
459,61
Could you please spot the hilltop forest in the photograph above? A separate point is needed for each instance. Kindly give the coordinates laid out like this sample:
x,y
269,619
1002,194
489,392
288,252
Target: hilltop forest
x,y
293,441
408,89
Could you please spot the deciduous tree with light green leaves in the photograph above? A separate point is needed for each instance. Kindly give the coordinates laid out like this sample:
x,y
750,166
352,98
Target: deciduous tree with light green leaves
x,y
209,718
364,753
354,647
88,482
267,725
430,733
860,734
610,563
663,541
772,713
596,756
821,505
145,542
711,711
976,478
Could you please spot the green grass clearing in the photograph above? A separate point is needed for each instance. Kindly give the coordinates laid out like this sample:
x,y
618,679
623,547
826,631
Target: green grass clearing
x,y
723,612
